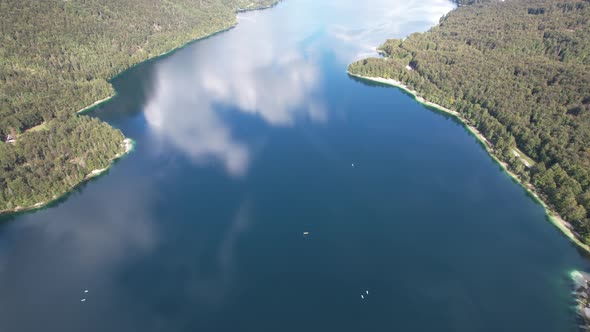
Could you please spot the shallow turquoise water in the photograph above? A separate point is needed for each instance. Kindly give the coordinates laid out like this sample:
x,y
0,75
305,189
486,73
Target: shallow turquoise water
x,y
248,139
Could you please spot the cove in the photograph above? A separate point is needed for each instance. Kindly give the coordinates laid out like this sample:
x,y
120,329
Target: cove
x,y
246,140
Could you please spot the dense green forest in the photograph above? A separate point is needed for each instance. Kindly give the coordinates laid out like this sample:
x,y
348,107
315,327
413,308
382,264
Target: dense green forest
x,y
56,57
45,164
518,71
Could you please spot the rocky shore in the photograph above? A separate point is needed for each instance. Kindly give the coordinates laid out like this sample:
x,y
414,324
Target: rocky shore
x,y
582,297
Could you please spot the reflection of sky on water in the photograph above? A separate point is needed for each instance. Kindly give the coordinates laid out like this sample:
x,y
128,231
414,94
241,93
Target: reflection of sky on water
x,y
269,68
55,254
258,76
99,233
156,264
213,287
52,256
360,31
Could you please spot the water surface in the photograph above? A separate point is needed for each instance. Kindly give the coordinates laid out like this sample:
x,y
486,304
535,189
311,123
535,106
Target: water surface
x,y
248,139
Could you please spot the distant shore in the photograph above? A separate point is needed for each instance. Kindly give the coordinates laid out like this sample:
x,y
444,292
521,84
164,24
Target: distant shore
x,y
553,216
128,145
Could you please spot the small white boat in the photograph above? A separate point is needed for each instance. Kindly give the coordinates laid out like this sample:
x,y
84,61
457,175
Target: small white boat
x,y
367,292
83,300
85,291
362,296
305,233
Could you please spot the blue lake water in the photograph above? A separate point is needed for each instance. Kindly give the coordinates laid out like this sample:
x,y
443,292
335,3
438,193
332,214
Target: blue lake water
x,y
248,139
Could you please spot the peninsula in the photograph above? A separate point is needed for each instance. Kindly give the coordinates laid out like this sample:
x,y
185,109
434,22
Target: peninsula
x,y
57,58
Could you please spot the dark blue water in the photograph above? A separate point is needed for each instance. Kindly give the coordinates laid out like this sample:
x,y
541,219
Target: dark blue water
x,y
248,139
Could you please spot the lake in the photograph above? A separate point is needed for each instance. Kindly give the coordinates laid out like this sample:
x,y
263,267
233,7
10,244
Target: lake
x,y
249,139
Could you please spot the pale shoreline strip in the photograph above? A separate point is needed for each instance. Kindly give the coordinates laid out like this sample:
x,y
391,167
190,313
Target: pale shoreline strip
x,y
553,216
95,104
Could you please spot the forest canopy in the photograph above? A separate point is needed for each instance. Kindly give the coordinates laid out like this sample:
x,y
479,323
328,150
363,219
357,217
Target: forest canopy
x,y
56,58
519,71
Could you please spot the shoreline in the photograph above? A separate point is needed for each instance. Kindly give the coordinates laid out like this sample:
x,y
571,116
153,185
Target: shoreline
x,y
553,216
581,292
169,52
96,104
128,143
183,45
243,10
148,60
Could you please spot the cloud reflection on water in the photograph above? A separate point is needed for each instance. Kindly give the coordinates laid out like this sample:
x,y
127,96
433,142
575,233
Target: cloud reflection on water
x,y
379,20
269,74
255,76
58,252
270,69
214,286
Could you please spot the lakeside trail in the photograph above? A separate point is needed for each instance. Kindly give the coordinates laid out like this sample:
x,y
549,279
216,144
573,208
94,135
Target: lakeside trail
x,y
553,216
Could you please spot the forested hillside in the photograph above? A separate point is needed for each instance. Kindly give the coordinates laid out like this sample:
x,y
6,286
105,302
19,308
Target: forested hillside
x,y
56,57
56,159
519,71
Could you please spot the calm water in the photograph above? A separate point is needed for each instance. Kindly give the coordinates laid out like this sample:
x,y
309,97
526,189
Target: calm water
x,y
246,140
